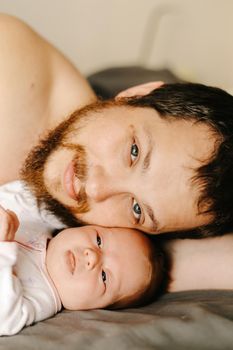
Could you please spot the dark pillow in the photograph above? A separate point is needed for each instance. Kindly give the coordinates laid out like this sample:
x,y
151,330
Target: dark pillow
x,y
108,82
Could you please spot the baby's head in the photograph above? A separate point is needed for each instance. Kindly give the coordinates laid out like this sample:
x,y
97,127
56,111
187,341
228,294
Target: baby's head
x,y
97,267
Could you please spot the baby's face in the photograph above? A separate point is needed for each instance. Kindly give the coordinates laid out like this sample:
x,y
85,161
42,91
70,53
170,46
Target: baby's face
x,y
93,267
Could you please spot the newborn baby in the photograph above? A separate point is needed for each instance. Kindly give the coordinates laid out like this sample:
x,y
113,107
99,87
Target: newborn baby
x,y
81,268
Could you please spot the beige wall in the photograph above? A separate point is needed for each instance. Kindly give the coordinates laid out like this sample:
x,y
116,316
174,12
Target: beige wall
x,y
192,37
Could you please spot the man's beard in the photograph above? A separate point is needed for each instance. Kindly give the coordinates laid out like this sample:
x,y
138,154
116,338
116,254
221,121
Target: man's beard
x,y
33,171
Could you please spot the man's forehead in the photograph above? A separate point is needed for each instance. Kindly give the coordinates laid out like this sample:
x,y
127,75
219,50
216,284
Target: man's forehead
x,y
115,109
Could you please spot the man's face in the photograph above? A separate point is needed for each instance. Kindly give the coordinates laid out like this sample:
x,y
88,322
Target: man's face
x,y
127,167
92,267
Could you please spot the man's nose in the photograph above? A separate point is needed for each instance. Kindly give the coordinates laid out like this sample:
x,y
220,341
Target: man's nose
x,y
100,185
91,258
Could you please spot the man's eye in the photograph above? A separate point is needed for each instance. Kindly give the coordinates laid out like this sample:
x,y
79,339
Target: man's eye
x,y
99,241
134,152
136,210
104,277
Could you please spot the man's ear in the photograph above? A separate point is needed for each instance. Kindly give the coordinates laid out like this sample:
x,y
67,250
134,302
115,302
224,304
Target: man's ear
x,y
140,90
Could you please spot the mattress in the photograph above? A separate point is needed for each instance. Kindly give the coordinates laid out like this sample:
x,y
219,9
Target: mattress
x,y
184,320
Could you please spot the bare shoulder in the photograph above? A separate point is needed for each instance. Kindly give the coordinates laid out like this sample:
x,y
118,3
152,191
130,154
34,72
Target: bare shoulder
x,y
39,87
24,57
11,23
30,59
17,37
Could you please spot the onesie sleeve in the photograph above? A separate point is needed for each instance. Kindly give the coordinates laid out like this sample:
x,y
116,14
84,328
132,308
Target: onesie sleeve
x,y
16,311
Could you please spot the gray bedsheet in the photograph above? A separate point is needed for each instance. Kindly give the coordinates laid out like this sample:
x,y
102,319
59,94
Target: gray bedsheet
x,y
187,320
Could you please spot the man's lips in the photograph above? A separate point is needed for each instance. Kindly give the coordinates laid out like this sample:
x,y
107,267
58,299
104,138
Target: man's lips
x,y
71,261
68,182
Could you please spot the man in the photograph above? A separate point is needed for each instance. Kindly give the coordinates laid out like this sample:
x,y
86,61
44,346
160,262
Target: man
x,y
112,164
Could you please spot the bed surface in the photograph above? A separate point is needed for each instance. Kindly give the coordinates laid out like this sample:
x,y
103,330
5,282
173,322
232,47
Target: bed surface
x,y
184,320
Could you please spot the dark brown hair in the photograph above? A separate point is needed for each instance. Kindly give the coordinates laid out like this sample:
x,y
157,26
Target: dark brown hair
x,y
214,107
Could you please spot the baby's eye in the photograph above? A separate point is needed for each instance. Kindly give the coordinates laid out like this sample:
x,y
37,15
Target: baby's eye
x,y
136,210
99,241
134,152
104,277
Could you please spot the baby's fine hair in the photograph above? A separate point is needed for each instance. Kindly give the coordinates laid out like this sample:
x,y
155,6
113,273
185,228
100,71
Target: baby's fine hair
x,y
158,281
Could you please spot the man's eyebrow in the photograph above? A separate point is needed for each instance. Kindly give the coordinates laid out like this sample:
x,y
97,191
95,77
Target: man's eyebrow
x,y
154,226
145,166
146,161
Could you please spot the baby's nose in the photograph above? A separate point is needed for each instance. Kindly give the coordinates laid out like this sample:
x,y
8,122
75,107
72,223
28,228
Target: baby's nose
x,y
91,257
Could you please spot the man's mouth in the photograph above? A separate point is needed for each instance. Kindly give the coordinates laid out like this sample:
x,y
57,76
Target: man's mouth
x,y
71,261
71,183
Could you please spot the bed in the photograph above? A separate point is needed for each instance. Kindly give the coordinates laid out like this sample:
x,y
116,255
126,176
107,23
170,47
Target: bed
x,y
184,320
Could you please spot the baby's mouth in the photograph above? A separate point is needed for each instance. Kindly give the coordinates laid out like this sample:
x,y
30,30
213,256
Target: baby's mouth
x,y
71,261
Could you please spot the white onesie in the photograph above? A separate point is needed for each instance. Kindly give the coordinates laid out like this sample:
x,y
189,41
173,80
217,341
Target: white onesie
x,y
27,293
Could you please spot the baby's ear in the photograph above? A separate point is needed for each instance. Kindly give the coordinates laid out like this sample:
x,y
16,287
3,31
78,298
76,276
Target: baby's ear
x,y
140,90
